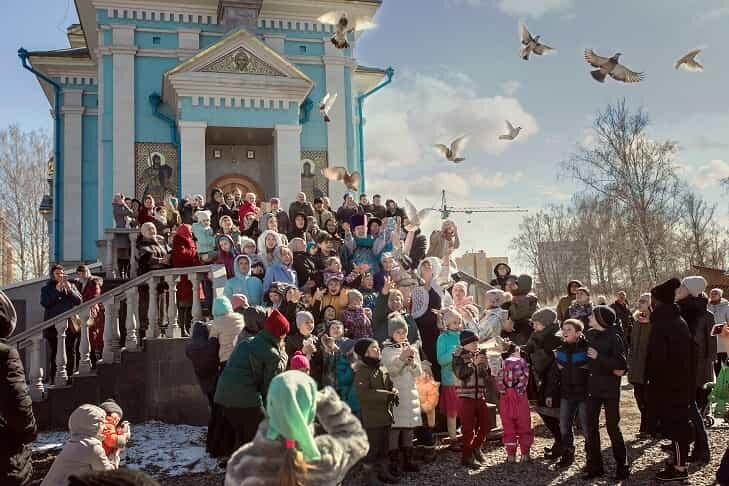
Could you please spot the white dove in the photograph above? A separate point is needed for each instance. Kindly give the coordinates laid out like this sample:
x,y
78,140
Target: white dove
x,y
345,25
453,153
531,44
326,104
689,61
341,174
513,132
415,217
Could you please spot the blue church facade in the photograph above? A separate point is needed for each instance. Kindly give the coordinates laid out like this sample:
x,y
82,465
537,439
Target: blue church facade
x,y
172,98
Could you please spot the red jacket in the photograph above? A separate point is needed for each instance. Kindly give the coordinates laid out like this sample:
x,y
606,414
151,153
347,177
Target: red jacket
x,y
245,208
184,254
88,292
145,215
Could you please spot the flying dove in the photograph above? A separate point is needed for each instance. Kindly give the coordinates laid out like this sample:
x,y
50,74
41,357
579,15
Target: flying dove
x,y
513,132
612,67
415,217
326,104
689,61
340,174
345,25
453,153
531,44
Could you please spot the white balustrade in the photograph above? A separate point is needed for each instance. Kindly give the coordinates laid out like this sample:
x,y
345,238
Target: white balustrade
x,y
84,365
109,258
152,311
132,300
195,278
36,368
111,331
61,377
133,267
173,329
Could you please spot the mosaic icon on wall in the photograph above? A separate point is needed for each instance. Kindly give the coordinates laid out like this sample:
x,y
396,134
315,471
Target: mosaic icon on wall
x,y
155,170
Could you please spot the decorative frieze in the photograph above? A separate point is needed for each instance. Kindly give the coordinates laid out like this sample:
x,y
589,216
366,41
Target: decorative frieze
x,y
240,61
303,25
238,102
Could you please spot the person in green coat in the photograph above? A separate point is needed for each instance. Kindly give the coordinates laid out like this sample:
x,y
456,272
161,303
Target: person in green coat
x,y
243,384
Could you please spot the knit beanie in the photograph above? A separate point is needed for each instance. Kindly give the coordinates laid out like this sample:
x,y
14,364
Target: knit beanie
x,y
695,285
346,345
358,220
362,345
467,337
665,293
583,289
291,409
110,406
222,306
545,316
116,477
299,362
8,317
396,321
604,315
238,301
276,324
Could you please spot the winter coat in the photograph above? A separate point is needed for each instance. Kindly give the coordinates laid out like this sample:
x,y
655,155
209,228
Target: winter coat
x,y
473,380
356,323
407,412
321,217
640,338
226,329
250,369
150,254
492,323
438,246
700,321
342,445
379,322
215,209
670,371
305,268
581,312
246,284
523,305
296,207
278,272
373,389
17,422
574,372
203,353
365,250
499,281
565,302
345,214
122,214
82,452
282,221
513,374
541,346
339,302
624,321
55,302
90,290
602,382
345,382
447,343
204,238
184,254
226,258
549,388
721,314
145,215
428,327
419,248
255,318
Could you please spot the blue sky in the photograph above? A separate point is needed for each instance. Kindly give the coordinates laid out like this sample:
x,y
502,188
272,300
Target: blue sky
x,y
457,71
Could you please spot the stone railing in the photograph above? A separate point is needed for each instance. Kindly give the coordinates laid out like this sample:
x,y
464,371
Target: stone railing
x,y
161,317
109,247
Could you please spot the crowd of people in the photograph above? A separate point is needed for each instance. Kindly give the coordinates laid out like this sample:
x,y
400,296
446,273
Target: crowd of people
x,y
342,335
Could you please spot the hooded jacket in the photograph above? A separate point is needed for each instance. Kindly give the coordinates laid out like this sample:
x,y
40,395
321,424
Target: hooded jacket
x,y
247,285
278,272
446,344
83,452
268,258
573,365
226,326
602,382
498,280
305,267
204,238
639,341
184,254
523,305
226,258
407,411
564,303
203,353
700,322
541,346
373,389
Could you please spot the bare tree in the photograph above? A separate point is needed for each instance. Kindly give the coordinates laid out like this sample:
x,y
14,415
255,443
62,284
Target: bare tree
x,y
624,164
696,219
23,172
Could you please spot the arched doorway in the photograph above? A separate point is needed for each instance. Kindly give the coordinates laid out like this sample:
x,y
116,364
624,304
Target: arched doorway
x,y
230,182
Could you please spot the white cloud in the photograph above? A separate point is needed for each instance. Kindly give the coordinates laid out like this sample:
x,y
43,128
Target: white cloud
x,y
496,180
708,175
510,87
712,15
533,8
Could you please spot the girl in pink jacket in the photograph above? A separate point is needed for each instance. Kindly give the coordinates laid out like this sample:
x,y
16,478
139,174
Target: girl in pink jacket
x,y
512,381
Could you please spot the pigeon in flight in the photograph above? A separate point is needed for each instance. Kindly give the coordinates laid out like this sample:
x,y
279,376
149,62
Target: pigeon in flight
x,y
612,67
531,44
340,174
513,132
344,25
415,217
689,61
453,153
326,104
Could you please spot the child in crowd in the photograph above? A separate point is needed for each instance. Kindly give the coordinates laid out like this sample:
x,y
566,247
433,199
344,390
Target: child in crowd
x,y
446,345
428,393
357,318
329,353
368,291
115,433
512,381
492,323
335,295
344,374
524,304
204,236
243,282
226,327
83,452
572,362
377,397
328,314
471,368
227,228
254,316
281,270
300,362
226,254
639,338
203,353
403,364
302,339
581,308
607,364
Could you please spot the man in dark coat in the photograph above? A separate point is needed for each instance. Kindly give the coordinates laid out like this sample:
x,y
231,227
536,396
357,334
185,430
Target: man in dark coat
x,y
304,264
670,372
58,296
17,423
625,318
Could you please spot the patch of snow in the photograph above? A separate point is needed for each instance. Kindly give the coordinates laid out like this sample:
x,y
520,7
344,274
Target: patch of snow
x,y
155,447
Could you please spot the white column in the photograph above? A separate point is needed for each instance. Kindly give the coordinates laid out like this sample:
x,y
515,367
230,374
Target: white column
x,y
109,254
173,329
195,278
192,148
61,377
287,160
132,300
72,111
111,331
152,310
84,366
36,368
334,62
102,203
123,52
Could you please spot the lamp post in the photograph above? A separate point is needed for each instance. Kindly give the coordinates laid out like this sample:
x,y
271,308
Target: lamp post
x,y
46,208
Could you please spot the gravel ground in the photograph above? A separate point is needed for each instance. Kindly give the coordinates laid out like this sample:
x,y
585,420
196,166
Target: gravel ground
x,y
646,459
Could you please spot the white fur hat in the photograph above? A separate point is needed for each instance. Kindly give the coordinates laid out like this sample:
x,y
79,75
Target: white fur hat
x,y
695,285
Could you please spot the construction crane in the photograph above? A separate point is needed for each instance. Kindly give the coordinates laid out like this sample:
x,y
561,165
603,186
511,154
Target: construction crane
x,y
446,210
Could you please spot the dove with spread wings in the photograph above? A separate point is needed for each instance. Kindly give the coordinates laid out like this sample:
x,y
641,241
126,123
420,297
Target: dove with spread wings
x,y
513,132
689,61
341,174
611,66
415,217
530,44
326,104
453,153
344,25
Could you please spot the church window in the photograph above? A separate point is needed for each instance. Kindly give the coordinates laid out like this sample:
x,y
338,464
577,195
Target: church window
x,y
156,39
302,49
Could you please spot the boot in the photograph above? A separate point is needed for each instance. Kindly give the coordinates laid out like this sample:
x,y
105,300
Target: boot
x,y
553,453
568,457
384,475
622,472
394,467
479,456
409,465
429,454
370,475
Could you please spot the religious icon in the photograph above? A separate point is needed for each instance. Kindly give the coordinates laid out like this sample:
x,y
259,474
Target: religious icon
x,y
251,154
156,178
241,60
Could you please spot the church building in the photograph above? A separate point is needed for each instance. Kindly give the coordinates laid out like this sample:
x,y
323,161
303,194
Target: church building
x,y
175,97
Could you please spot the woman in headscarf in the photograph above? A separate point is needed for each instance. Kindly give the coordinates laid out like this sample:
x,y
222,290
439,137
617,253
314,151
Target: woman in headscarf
x,y
214,205
145,214
425,299
443,243
267,244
